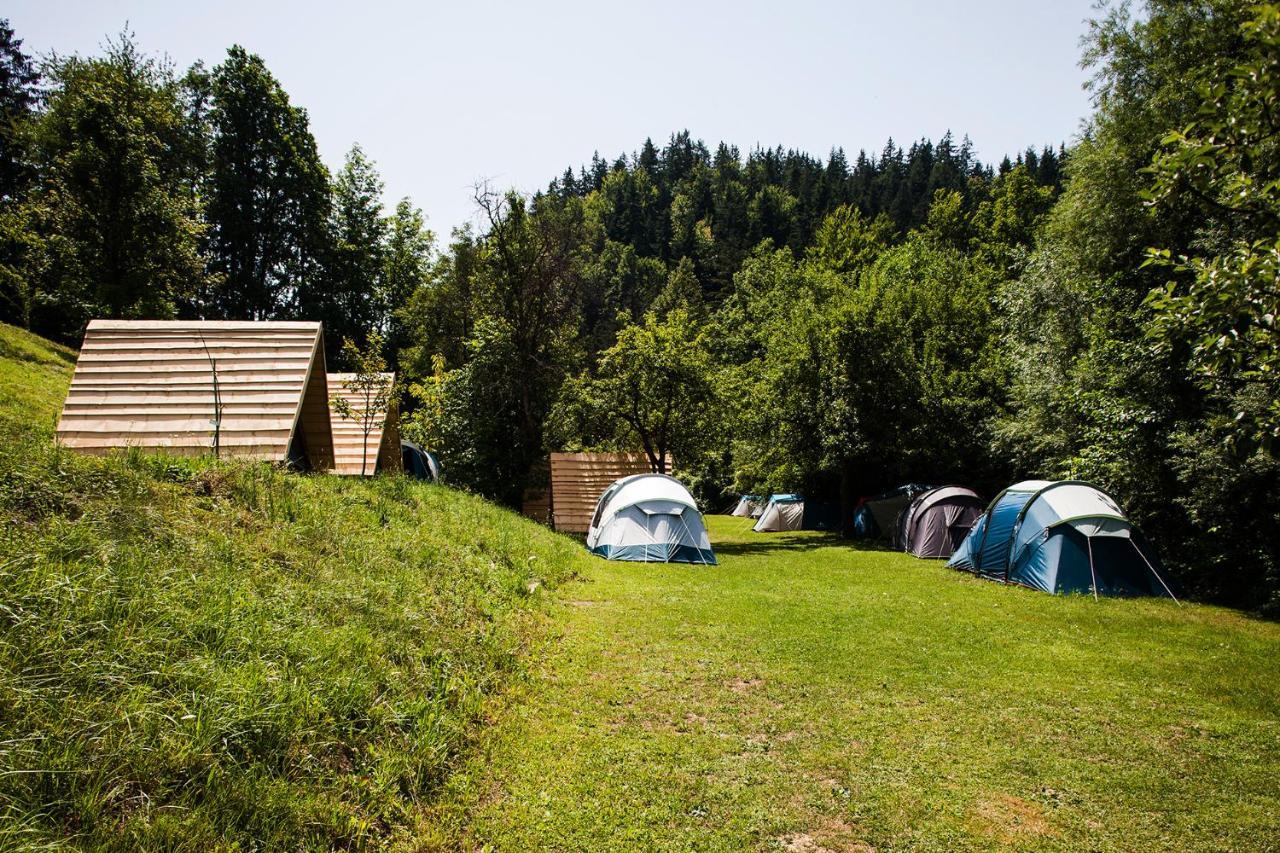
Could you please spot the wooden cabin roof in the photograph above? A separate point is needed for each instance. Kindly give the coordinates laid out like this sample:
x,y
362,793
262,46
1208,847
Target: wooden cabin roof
x,y
348,434
151,384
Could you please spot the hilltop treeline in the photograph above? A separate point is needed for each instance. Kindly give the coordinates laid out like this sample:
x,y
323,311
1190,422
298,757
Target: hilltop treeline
x,y
775,321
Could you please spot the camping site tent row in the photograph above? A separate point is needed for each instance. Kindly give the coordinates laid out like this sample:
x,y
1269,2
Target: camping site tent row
x,y
937,521
876,517
1064,536
748,506
649,518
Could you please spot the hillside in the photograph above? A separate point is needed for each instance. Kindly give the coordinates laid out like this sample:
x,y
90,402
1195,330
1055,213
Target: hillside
x,y
196,655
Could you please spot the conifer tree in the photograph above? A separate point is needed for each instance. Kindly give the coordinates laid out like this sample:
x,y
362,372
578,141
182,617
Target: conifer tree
x,y
267,191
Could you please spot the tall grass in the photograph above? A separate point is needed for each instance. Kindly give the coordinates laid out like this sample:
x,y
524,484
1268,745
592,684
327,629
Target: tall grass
x,y
197,655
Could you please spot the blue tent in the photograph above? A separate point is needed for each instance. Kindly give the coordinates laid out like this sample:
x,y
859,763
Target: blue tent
x,y
418,463
1064,536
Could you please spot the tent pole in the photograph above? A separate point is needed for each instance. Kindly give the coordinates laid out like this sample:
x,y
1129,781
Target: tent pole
x,y
1088,541
689,533
1153,571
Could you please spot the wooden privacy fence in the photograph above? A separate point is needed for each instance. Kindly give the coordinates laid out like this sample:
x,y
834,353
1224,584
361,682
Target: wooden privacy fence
x,y
578,479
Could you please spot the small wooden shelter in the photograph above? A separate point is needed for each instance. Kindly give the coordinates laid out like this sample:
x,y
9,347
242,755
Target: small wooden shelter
x,y
578,480
352,453
246,389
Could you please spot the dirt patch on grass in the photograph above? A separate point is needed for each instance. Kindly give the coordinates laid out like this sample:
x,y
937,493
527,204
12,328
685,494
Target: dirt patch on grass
x,y
801,842
745,685
1010,819
833,836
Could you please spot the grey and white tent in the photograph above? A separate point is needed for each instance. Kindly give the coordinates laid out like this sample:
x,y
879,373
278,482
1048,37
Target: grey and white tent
x,y
649,518
782,512
748,506
937,521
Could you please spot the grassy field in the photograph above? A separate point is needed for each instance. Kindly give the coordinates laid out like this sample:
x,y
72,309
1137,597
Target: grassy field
x,y
223,656
199,656
808,695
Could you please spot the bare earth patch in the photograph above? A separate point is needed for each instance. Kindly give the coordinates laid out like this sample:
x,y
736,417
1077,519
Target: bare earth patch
x,y
743,685
1010,819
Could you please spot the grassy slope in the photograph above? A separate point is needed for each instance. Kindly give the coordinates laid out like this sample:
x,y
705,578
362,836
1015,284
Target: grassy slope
x,y
806,695
197,655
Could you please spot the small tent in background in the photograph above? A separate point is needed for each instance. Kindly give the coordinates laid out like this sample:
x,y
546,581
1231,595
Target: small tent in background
x,y
782,512
418,463
649,518
354,453
1064,537
795,512
877,517
937,521
748,506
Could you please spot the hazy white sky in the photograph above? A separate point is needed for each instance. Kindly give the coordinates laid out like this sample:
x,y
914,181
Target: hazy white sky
x,y
442,95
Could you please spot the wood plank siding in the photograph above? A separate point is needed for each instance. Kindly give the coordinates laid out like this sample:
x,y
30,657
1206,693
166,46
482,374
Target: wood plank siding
x,y
150,384
578,480
383,450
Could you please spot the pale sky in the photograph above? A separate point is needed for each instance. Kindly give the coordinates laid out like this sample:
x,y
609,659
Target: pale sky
x,y
443,95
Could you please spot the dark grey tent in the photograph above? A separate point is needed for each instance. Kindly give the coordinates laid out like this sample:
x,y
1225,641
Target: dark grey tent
x,y
937,521
876,518
418,463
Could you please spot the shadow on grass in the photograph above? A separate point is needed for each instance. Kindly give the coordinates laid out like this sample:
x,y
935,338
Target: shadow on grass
x,y
767,543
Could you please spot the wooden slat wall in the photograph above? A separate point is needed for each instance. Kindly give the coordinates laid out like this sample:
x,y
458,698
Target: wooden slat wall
x,y
348,437
389,455
578,480
148,383
313,415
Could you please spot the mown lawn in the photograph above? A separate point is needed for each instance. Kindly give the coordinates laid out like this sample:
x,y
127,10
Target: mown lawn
x,y
810,695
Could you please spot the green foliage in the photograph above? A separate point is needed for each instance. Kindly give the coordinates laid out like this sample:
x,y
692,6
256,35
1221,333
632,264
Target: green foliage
x,y
268,201
682,291
18,79
1101,387
653,388
847,243
1227,160
406,270
110,222
350,300
513,295
920,376
780,401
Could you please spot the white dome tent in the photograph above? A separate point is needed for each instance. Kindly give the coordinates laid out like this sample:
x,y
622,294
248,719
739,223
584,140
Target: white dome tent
x,y
649,518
